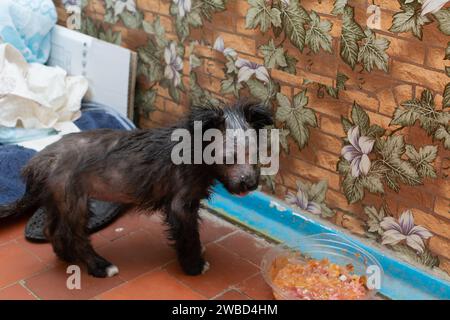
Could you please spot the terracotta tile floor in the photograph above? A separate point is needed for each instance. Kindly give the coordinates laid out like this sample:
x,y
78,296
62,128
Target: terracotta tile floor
x,y
148,269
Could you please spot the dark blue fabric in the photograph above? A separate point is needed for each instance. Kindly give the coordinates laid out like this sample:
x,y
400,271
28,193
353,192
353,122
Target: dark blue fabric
x,y
13,157
97,120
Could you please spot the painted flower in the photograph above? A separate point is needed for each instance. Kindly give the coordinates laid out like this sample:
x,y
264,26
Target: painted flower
x,y
121,5
248,68
174,64
184,6
432,6
219,45
404,229
357,152
301,200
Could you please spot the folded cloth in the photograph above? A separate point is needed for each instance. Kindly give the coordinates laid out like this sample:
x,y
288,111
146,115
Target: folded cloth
x,y
35,96
27,25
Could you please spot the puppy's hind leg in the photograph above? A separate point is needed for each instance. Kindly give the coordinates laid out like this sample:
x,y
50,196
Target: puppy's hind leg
x,y
68,233
183,223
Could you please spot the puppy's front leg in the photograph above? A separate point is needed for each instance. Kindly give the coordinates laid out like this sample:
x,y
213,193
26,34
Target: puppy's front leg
x,y
183,223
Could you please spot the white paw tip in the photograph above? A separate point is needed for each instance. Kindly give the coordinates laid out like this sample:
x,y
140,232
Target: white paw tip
x,y
203,249
205,267
112,270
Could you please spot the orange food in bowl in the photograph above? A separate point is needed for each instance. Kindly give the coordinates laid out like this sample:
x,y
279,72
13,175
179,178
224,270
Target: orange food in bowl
x,y
317,280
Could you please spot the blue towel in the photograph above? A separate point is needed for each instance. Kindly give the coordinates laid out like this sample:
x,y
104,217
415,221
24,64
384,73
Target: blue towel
x,y
13,157
27,25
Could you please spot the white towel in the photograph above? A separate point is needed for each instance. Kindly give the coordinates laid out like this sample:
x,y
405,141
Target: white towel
x,y
36,96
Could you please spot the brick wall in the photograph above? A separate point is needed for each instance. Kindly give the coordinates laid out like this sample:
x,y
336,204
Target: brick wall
x,y
414,65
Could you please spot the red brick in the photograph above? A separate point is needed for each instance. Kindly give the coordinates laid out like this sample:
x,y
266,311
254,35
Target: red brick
x,y
362,98
387,102
412,73
332,126
435,58
408,50
312,172
440,246
442,207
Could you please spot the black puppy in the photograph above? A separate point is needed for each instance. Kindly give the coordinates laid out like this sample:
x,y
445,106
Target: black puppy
x,y
133,168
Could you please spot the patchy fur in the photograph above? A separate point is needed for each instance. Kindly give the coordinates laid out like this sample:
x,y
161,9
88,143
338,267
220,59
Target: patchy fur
x,y
133,168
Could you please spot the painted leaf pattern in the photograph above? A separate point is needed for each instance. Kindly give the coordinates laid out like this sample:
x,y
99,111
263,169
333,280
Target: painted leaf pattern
x,y
297,116
443,18
352,33
294,18
423,110
339,6
372,52
273,57
317,36
390,162
409,19
262,15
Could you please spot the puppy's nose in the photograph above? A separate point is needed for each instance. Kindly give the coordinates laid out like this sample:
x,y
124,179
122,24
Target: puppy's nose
x,y
250,182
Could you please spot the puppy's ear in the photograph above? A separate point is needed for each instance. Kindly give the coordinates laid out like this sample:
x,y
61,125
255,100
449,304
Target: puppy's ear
x,y
210,117
257,114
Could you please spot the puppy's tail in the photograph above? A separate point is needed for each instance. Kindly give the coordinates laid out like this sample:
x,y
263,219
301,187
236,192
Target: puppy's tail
x,y
27,204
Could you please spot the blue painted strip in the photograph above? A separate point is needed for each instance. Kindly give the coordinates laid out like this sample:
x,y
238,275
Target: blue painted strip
x,y
401,280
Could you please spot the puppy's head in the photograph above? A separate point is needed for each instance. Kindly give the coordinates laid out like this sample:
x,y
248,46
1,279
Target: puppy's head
x,y
239,126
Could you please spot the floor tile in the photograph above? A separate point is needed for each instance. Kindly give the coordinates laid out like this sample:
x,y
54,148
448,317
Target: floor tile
x,y
226,269
124,225
17,263
16,292
43,251
246,246
256,288
213,228
98,240
12,229
232,295
157,285
156,227
52,285
137,253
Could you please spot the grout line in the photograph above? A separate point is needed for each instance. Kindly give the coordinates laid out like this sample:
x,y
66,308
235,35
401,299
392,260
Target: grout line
x,y
225,236
23,284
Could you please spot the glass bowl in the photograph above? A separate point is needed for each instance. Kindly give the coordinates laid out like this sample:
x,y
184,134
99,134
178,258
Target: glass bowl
x,y
333,247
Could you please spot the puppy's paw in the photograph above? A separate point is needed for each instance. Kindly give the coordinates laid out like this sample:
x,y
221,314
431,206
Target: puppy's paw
x,y
205,267
102,269
111,271
194,269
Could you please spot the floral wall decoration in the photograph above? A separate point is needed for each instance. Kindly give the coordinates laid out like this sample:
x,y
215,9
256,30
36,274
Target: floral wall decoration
x,y
360,91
